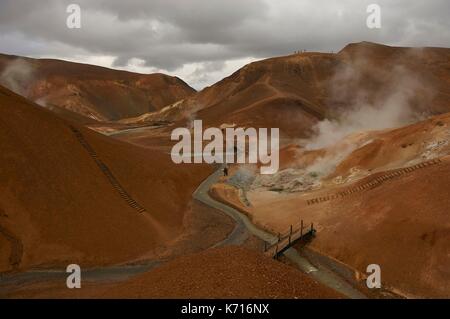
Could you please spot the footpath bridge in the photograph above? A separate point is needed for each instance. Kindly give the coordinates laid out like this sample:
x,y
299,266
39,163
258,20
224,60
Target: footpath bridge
x,y
296,233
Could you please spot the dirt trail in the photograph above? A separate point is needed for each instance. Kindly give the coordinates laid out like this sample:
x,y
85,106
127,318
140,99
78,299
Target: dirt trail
x,y
115,273
320,274
238,236
276,94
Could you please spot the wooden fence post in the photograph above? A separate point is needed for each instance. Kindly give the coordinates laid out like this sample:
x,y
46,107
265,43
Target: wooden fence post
x,y
312,227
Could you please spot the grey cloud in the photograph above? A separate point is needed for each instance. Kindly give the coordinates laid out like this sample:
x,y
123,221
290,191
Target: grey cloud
x,y
202,74
168,34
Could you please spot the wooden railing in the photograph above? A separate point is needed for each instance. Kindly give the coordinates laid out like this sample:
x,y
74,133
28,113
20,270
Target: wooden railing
x,y
286,239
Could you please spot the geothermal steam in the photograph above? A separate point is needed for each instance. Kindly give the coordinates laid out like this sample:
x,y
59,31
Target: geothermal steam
x,y
392,107
392,110
17,76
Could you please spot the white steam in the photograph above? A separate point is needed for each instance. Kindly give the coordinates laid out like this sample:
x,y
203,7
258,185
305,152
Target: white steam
x,y
396,103
391,109
17,76
190,118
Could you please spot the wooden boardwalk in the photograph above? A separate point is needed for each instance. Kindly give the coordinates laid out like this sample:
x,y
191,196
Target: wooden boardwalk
x,y
289,238
106,171
373,182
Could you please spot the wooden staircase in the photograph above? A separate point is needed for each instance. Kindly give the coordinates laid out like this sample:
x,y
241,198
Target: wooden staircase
x,y
374,182
106,171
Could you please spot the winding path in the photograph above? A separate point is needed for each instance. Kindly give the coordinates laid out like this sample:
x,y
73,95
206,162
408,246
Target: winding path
x,y
243,224
237,237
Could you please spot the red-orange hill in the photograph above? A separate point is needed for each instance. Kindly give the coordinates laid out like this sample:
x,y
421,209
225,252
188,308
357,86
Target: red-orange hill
x,y
92,91
293,92
58,207
229,272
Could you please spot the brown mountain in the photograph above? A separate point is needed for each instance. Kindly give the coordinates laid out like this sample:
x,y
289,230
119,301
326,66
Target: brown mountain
x,y
378,196
383,201
92,91
68,194
293,92
228,272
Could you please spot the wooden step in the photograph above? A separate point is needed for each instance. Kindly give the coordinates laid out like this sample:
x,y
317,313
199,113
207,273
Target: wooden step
x,y
106,171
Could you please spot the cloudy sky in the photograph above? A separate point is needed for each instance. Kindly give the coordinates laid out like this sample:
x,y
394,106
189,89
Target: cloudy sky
x,y
203,41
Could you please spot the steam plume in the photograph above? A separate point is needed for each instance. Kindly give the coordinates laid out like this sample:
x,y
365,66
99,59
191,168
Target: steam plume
x,y
17,76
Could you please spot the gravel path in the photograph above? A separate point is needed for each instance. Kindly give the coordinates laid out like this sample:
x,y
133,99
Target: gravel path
x,y
238,236
244,225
